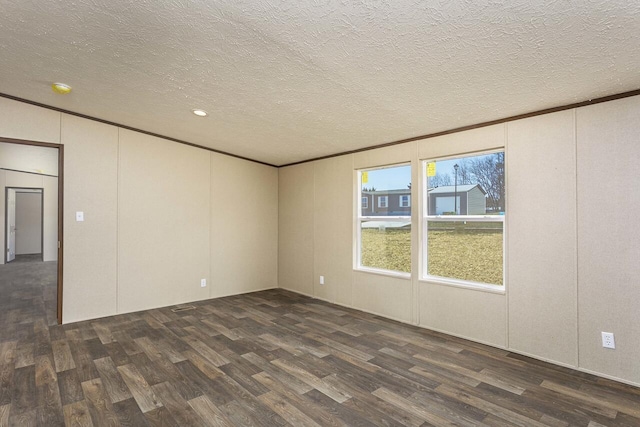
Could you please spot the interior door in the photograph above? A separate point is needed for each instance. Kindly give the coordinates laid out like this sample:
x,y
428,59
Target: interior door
x,y
11,224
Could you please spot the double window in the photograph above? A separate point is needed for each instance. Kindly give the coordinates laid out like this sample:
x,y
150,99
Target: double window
x,y
384,231
463,211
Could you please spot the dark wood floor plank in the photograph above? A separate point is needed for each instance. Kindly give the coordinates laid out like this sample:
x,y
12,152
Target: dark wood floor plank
x,y
45,372
113,383
487,406
209,413
129,414
70,387
6,383
4,414
25,419
286,410
340,411
99,404
82,358
49,410
140,389
406,405
77,415
273,358
62,355
117,353
176,405
24,390
161,418
334,393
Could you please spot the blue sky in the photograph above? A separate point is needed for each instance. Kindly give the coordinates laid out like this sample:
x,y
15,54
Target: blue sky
x,y
398,177
393,178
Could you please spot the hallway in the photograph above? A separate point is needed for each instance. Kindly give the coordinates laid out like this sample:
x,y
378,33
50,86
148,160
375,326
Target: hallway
x,y
27,293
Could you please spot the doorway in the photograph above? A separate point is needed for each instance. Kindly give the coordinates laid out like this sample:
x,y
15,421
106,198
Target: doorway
x,y
24,226
31,267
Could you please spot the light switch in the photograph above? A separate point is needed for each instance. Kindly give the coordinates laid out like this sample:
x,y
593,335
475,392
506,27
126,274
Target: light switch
x,y
79,216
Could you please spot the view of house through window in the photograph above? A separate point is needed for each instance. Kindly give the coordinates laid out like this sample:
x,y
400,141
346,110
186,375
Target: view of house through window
x,y
464,208
384,238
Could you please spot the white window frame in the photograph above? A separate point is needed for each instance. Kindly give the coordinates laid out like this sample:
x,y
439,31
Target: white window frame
x,y
424,232
386,202
364,199
401,204
359,219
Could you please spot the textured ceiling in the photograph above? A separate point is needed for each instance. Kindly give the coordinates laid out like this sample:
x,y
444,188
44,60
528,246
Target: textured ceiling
x,y
285,81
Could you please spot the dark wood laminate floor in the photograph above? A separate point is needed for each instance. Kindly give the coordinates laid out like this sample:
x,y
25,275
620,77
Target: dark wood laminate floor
x,y
276,358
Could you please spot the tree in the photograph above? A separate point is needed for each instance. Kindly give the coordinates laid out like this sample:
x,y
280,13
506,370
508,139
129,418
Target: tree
x,y
465,176
488,171
440,180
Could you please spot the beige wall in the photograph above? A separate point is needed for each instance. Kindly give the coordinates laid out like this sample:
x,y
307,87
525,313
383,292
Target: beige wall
x,y
3,198
295,226
163,222
90,247
50,200
151,231
541,177
50,222
244,226
571,248
332,230
608,237
29,158
28,223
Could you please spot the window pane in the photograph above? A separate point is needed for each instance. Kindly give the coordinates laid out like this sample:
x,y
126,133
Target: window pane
x,y
466,250
471,185
386,245
378,184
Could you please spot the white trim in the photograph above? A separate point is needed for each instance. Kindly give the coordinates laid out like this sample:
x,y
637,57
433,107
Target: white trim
x,y
474,218
383,272
402,205
466,284
386,202
362,200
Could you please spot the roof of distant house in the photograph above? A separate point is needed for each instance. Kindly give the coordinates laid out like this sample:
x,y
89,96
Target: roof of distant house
x,y
383,192
452,188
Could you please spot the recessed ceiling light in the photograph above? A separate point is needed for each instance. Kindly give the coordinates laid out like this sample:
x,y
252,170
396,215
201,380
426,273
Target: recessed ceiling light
x,y
61,88
200,113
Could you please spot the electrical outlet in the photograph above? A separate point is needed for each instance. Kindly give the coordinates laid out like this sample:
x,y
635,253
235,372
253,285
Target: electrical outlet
x,y
607,340
322,280
203,283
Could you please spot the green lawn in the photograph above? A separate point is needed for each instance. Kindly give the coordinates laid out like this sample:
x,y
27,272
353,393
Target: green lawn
x,y
474,255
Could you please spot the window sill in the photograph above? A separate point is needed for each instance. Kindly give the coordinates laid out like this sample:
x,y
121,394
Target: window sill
x,y
388,273
481,287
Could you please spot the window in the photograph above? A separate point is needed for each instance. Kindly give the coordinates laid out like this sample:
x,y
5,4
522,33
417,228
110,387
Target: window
x,y
463,219
384,230
405,201
365,203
